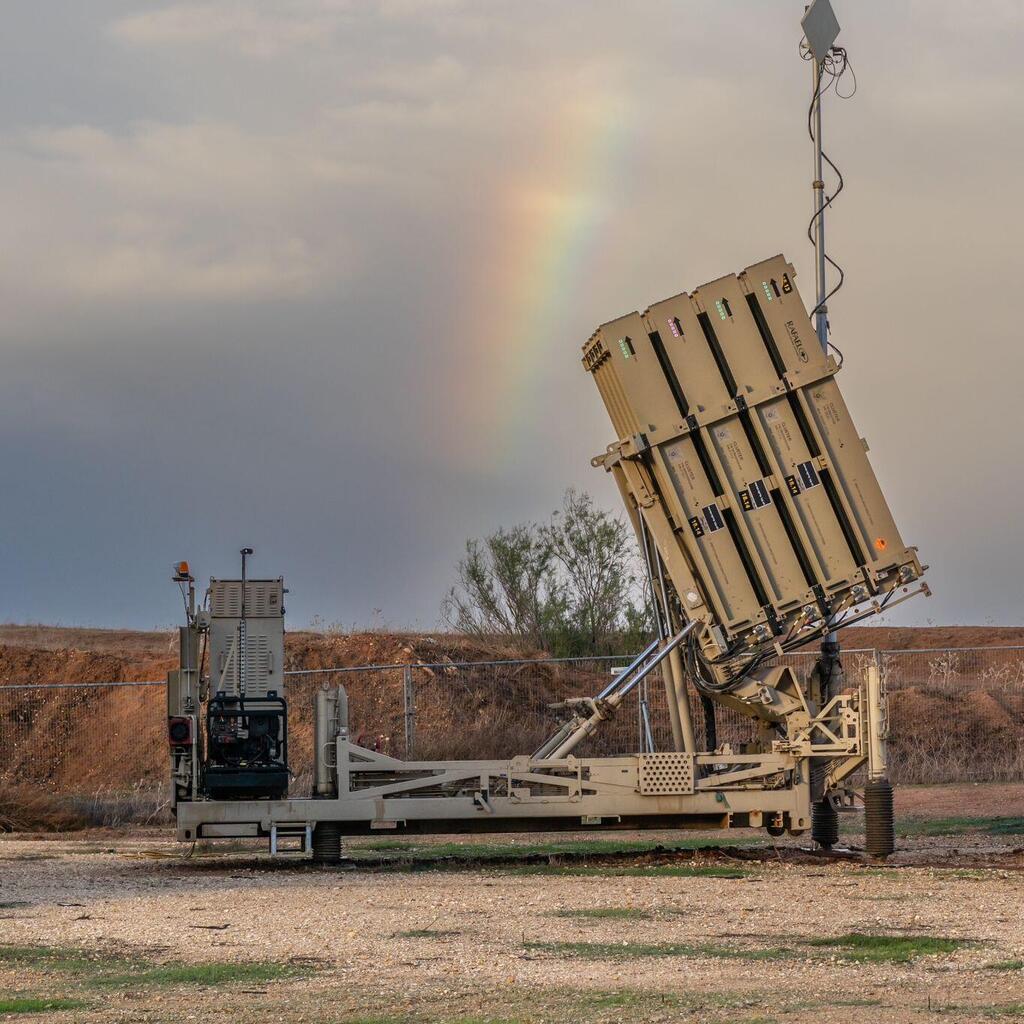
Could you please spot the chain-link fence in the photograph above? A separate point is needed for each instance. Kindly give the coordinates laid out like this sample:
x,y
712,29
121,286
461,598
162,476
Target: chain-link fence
x,y
955,715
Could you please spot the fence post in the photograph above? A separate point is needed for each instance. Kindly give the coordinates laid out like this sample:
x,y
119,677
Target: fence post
x,y
409,704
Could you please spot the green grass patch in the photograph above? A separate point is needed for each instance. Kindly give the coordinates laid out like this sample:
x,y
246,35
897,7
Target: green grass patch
x,y
962,1011
482,1020
376,1020
434,1020
641,1005
385,846
790,1006
648,1001
961,874
878,899
1005,827
70,960
1006,965
203,975
796,1006
614,950
897,949
625,999
623,1005
961,825
605,914
30,1004
632,871
877,872
117,971
426,933
515,851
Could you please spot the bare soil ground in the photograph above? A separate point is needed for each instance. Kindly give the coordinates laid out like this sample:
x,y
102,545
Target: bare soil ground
x,y
978,800
584,930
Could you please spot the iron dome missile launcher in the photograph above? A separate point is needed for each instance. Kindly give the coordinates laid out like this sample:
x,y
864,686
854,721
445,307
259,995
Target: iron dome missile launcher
x,y
763,528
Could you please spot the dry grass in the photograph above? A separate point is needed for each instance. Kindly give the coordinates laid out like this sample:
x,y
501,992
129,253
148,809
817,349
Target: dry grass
x,y
28,808
141,805
927,756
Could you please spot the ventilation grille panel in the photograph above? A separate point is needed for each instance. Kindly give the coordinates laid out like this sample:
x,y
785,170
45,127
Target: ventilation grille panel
x,y
257,666
666,774
263,599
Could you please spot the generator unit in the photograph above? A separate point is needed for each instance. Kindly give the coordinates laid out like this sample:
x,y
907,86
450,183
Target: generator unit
x,y
231,678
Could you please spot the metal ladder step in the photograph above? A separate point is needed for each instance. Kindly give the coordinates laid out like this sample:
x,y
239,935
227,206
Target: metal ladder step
x,y
287,830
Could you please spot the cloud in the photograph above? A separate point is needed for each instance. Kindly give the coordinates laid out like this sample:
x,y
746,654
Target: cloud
x,y
254,29
421,8
207,165
420,80
332,263
201,210
147,269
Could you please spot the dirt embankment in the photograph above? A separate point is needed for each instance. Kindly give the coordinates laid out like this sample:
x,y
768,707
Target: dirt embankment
x,y
916,638
80,653
56,654
85,739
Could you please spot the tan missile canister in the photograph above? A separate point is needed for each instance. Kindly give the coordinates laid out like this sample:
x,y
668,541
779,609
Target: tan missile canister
x,y
737,451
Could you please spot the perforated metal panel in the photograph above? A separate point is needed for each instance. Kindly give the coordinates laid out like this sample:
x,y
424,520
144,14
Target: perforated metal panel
x,y
264,599
666,774
258,666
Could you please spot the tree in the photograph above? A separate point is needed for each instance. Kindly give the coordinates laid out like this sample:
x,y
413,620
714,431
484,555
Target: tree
x,y
569,587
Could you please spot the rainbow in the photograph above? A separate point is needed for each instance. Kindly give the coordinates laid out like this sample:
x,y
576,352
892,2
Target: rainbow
x,y
551,230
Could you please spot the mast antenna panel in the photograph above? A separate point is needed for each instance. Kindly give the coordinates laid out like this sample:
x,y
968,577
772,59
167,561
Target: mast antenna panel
x,y
820,27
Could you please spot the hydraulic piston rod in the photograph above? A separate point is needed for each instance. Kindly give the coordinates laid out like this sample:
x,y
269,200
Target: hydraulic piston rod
x,y
604,705
632,666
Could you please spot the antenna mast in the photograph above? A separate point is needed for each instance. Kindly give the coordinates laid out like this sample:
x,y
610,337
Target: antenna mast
x,y
820,29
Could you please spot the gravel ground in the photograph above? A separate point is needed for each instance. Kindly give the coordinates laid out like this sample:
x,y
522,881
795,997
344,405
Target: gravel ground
x,y
379,943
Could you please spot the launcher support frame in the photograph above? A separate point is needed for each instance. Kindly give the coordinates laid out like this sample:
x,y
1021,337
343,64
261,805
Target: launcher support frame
x,y
362,791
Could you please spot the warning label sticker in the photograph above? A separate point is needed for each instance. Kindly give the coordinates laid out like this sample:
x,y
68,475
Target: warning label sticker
x,y
755,496
760,494
713,518
808,475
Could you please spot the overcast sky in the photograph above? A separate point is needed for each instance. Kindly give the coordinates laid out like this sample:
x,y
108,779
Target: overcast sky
x,y
313,276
